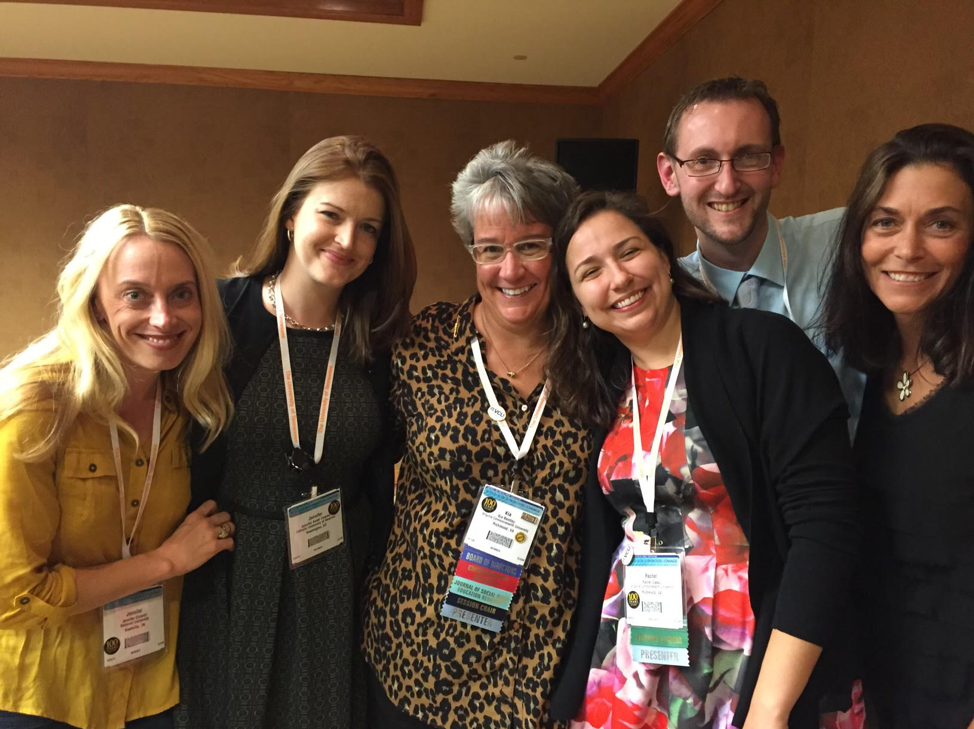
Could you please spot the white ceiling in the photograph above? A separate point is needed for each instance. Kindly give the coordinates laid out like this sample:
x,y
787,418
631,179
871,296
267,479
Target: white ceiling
x,y
567,42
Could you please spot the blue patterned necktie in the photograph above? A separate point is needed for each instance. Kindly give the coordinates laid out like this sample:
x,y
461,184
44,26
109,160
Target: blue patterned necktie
x,y
747,292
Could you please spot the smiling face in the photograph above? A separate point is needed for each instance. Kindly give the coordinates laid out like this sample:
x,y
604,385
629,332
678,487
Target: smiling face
x,y
621,280
147,299
917,238
728,210
513,292
335,232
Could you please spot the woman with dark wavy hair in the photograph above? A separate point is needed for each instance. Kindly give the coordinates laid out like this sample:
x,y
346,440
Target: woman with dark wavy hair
x,y
901,308
720,526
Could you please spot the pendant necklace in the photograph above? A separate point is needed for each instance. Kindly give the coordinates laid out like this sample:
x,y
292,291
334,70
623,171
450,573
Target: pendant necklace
x,y
905,383
512,373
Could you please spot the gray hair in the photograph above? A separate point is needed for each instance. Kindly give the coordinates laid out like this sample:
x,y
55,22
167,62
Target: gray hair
x,y
528,188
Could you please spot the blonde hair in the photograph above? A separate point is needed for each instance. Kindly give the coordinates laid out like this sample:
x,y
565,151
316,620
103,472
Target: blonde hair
x,y
377,302
76,366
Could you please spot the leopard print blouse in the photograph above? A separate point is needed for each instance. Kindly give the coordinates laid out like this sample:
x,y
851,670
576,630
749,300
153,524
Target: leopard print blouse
x,y
442,671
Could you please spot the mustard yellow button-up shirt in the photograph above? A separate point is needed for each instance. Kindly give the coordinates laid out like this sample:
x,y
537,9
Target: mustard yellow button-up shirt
x,y
62,514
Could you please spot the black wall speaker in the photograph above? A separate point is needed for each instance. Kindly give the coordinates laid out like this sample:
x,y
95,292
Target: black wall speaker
x,y
600,164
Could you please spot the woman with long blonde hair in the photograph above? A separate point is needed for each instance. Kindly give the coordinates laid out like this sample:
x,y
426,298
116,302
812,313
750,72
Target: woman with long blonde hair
x,y
306,467
94,477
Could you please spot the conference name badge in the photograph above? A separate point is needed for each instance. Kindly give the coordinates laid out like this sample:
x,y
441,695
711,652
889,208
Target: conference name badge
x,y
496,547
133,627
314,526
656,606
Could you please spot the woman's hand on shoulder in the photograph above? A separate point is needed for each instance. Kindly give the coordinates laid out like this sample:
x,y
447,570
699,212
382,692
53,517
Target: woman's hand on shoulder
x,y
203,534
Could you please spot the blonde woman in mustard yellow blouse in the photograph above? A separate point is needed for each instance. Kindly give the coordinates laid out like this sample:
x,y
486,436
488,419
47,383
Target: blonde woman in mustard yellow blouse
x,y
94,478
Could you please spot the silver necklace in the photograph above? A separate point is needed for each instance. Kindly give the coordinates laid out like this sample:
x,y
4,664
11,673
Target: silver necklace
x,y
294,324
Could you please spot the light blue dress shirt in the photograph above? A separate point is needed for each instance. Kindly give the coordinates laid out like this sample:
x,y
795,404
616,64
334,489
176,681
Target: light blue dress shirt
x,y
809,241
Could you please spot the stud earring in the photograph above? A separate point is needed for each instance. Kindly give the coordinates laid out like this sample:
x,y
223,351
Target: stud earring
x,y
585,323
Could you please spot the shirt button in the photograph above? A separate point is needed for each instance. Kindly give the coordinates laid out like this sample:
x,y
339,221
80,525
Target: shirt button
x,y
24,600
135,502
524,408
139,462
92,467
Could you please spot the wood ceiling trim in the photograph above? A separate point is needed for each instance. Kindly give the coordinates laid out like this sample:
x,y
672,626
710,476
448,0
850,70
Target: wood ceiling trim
x,y
302,82
403,12
680,20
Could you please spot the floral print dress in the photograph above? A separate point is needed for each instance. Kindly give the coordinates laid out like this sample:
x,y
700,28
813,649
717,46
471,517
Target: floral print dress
x,y
693,510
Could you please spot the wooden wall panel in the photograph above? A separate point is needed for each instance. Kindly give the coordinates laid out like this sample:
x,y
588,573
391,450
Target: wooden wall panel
x,y
847,76
683,17
71,148
43,173
879,68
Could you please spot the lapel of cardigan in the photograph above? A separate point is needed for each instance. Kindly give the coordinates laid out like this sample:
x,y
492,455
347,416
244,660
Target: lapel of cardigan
x,y
252,328
721,396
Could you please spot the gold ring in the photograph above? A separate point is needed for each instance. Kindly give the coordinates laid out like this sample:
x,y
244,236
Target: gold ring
x,y
224,531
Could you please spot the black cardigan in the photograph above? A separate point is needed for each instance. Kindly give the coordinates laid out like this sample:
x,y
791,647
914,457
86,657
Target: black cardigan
x,y
253,332
770,408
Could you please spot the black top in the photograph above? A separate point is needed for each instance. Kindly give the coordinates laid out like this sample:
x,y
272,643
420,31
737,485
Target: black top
x,y
253,332
771,409
263,643
916,592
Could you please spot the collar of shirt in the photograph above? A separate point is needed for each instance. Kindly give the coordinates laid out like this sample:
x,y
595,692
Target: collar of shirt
x,y
767,266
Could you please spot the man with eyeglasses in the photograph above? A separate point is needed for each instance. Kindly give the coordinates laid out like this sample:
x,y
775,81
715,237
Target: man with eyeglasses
x,y
722,155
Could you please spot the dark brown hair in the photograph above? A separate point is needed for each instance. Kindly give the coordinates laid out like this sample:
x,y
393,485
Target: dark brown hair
x,y
377,302
855,320
733,88
579,357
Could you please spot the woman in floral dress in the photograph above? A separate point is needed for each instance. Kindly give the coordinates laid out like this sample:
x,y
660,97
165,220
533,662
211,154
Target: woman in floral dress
x,y
752,485
692,507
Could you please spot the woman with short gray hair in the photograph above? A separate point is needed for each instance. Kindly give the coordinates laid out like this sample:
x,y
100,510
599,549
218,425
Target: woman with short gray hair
x,y
524,186
469,611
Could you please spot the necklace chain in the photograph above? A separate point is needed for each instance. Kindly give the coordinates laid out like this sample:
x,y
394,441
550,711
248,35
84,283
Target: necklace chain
x,y
512,373
296,325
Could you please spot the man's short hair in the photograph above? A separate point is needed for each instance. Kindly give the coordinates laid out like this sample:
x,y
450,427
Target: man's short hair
x,y
733,88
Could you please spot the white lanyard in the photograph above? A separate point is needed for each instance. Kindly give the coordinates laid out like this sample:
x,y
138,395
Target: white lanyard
x,y
647,482
499,415
292,408
153,457
784,273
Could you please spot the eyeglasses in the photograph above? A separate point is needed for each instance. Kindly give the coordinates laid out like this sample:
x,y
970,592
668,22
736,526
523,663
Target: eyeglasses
x,y
533,249
704,166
